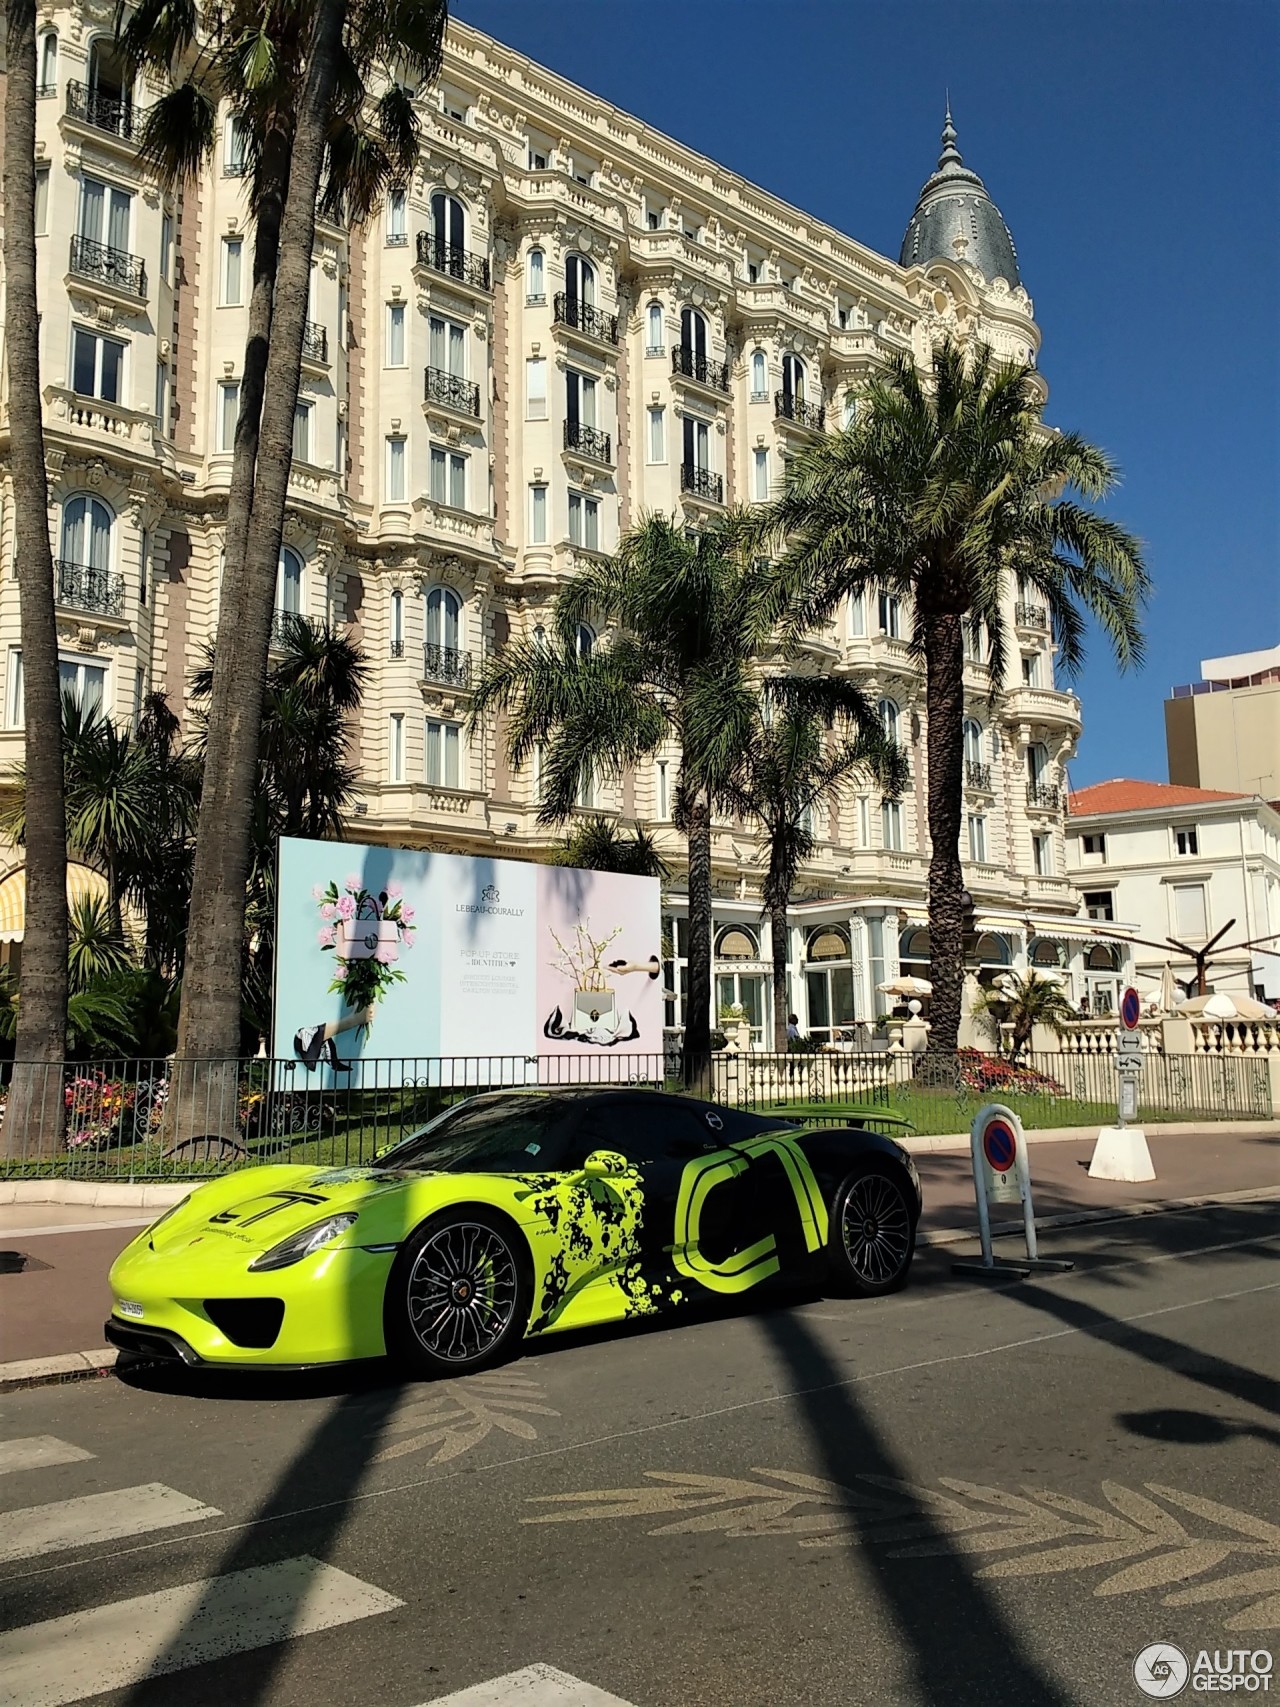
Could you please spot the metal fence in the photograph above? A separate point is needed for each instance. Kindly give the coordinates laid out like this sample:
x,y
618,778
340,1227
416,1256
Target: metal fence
x,y
151,1120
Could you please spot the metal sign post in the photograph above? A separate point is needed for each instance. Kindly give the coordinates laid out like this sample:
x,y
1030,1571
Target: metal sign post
x,y
1002,1174
1121,1152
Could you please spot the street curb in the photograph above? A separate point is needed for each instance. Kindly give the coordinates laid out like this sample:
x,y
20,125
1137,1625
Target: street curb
x,y
1115,1212
918,1146
53,1371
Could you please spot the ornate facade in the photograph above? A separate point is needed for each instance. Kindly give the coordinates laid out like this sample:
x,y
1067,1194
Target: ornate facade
x,y
565,321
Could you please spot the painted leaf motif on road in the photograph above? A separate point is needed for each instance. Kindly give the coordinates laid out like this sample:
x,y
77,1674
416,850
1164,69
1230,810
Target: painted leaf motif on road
x,y
455,1418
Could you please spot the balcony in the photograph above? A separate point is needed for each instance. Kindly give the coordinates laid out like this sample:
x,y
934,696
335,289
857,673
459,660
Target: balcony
x,y
453,262
702,483
588,441
115,267
1030,616
397,240
585,317
1046,796
810,415
694,365
396,649
315,343
977,776
81,588
452,391
114,114
446,664
284,624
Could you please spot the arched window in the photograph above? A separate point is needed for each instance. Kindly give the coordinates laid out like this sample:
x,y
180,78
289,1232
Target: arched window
x,y
448,232
992,950
48,62
737,942
87,527
850,410
759,374
972,741
1045,952
828,942
584,640
397,624
913,945
536,288
890,717
1100,959
792,380
444,609
580,280
693,333
540,636
289,583
655,338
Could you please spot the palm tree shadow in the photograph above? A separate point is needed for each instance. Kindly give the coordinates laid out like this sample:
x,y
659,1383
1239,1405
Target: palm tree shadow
x,y
959,1646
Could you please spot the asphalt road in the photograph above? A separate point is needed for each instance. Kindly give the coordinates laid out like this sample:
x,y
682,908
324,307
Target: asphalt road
x,y
968,1493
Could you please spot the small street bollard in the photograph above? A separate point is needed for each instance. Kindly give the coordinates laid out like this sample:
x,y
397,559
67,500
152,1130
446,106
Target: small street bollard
x,y
1002,1174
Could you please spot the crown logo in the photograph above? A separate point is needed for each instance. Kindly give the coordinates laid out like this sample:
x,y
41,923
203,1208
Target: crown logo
x,y
490,894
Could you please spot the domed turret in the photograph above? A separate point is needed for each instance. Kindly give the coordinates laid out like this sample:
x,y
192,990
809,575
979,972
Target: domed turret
x,y
956,220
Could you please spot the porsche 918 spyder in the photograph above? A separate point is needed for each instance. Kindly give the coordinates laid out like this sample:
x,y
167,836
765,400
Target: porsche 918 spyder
x,y
513,1213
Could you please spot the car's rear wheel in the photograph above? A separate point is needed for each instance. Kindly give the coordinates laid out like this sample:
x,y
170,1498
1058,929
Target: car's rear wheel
x,y
873,1233
458,1296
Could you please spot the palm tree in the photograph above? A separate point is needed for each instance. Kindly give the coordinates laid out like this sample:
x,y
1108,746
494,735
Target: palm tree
x,y
298,79
33,1114
815,735
678,668
599,845
1023,1002
945,491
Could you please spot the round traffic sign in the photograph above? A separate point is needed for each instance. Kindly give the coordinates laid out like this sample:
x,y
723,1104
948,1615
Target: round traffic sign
x,y
1130,1009
999,1146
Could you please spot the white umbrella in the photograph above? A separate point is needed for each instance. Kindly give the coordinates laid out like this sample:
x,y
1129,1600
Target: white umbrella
x,y
1168,989
906,986
1224,1005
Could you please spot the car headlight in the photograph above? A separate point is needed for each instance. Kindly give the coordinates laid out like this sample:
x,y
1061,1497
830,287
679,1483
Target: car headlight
x,y
304,1244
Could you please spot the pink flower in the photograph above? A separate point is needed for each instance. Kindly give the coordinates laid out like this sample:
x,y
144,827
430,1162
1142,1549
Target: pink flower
x,y
394,891
327,938
317,891
340,970
347,907
328,910
385,954
354,884
406,914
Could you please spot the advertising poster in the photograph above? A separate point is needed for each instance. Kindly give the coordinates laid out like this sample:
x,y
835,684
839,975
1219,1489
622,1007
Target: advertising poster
x,y
389,955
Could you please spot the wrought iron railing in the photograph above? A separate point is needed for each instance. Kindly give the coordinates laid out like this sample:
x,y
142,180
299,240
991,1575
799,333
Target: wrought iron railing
x,y
1029,616
457,263
397,239
84,588
396,649
315,342
586,317
446,664
694,365
1044,794
93,260
977,775
115,114
588,441
453,391
792,408
701,482
283,626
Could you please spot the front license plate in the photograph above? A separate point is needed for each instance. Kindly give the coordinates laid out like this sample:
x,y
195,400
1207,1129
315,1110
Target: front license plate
x,y
126,1307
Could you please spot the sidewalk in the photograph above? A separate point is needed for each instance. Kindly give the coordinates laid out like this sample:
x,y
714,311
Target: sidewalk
x,y
56,1301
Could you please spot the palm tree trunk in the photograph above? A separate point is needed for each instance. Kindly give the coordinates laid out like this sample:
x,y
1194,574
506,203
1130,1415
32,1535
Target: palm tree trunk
x,y
777,903
944,703
33,1117
697,1016
209,1026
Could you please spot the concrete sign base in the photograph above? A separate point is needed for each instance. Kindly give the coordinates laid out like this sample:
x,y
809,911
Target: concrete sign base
x,y
1121,1153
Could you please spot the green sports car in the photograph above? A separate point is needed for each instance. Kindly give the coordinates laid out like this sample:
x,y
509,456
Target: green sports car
x,y
513,1213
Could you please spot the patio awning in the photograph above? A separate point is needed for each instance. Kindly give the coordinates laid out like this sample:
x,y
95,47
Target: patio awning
x,y
81,880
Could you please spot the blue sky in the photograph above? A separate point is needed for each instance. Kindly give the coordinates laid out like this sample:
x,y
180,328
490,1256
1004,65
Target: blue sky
x,y
1130,145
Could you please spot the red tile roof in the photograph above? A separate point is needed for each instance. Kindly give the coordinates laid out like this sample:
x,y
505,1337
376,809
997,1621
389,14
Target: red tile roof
x,y
1123,794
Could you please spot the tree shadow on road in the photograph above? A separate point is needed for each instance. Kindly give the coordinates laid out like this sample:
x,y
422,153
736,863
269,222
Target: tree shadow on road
x,y
1194,1428
958,1645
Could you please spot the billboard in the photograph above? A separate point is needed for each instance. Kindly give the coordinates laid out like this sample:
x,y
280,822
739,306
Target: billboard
x,y
387,953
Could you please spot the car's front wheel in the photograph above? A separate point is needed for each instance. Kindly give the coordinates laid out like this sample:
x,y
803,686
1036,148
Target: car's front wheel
x,y
873,1233
458,1296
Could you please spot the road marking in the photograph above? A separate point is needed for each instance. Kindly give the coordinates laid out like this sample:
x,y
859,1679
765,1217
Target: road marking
x,y
38,1452
711,1415
96,1517
70,1227
534,1686
117,1645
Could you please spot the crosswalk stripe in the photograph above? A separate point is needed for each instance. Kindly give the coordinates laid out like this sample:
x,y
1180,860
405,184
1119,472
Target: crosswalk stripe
x,y
38,1452
117,1645
96,1517
534,1686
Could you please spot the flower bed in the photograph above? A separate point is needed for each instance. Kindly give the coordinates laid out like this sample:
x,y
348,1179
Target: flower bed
x,y
981,1072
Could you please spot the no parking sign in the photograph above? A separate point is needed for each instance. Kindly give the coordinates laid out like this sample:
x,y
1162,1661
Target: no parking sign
x,y
1002,1174
1001,1136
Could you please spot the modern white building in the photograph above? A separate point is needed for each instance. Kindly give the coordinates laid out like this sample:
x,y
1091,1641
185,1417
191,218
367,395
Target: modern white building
x,y
564,321
1160,861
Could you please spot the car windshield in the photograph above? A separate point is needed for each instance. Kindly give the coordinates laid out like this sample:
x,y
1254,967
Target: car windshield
x,y
516,1134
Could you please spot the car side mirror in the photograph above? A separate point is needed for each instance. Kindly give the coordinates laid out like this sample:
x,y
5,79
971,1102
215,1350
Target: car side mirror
x,y
605,1164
